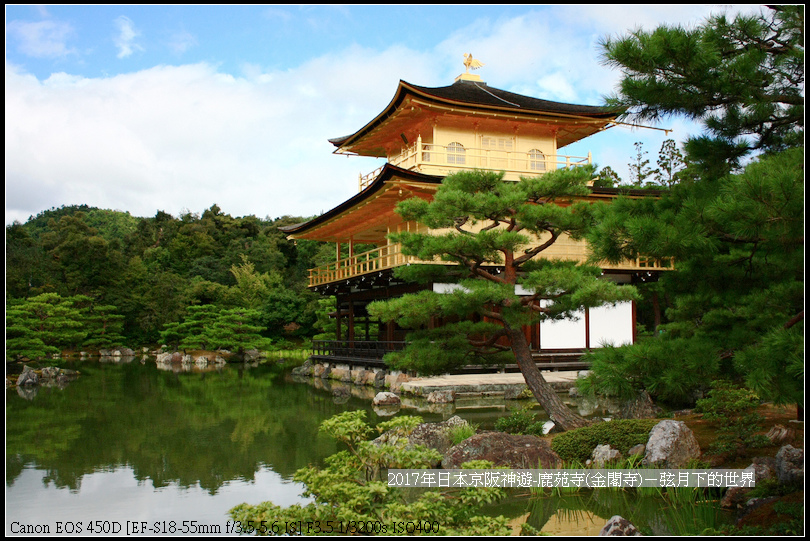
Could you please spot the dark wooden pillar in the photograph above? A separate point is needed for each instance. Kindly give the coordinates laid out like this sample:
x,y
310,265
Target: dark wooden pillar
x,y
587,328
350,332
337,318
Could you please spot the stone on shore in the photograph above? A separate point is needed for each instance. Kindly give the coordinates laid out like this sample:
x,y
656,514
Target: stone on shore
x,y
671,445
604,454
619,526
512,450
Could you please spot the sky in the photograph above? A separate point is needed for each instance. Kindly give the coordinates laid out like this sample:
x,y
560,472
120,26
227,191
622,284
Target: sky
x,y
178,108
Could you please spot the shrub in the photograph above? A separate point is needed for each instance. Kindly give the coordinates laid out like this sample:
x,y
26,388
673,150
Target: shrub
x,y
622,434
351,496
522,421
732,410
462,432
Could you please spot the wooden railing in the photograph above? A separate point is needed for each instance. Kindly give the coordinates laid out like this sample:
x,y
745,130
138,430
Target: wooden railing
x,y
420,155
384,257
356,350
371,353
390,256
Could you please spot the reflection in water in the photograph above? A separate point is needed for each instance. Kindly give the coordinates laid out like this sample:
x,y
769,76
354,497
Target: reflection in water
x,y
653,512
129,441
126,436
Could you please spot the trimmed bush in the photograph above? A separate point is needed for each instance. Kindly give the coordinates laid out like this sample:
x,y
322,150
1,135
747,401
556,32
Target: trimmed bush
x,y
522,421
575,446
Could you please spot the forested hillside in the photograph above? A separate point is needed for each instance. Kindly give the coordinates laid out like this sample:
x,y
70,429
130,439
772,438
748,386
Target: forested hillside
x,y
83,277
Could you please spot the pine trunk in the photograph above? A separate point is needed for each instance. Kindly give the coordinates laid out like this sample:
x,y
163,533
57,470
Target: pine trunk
x,y
561,414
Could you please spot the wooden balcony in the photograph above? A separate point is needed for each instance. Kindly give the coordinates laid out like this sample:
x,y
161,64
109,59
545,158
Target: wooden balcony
x,y
390,256
443,160
384,257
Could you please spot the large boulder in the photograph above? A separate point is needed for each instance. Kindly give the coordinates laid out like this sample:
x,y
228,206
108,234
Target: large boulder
x,y
436,435
671,445
790,465
513,450
431,435
49,372
303,370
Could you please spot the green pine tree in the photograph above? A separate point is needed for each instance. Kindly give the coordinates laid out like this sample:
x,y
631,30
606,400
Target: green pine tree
x,y
42,325
485,231
743,78
735,303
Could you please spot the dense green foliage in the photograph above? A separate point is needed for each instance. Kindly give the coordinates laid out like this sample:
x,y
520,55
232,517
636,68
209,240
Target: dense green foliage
x,y
575,446
734,306
352,495
139,277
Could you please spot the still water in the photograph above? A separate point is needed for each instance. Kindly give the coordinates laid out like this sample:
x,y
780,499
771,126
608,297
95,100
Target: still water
x,y
128,443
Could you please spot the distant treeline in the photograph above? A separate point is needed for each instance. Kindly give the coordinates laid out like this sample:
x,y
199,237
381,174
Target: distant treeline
x,y
145,273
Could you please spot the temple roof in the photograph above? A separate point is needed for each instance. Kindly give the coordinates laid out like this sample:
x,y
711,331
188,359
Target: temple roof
x,y
363,214
478,96
392,185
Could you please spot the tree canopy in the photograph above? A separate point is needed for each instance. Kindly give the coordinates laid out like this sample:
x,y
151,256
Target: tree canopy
x,y
126,280
734,306
743,78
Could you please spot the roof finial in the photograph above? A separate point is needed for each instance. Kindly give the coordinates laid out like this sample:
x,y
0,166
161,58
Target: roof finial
x,y
471,63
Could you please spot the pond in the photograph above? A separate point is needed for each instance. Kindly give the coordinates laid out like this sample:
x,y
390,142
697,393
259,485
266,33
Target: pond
x,y
127,443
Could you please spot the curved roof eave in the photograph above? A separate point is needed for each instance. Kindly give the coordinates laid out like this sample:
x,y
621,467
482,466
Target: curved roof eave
x,y
464,93
387,172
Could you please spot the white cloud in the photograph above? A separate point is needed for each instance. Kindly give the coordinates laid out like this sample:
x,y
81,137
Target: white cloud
x,y
125,39
189,136
41,39
186,137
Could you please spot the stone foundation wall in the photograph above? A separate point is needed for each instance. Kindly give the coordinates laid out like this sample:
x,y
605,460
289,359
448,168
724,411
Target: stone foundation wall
x,y
358,375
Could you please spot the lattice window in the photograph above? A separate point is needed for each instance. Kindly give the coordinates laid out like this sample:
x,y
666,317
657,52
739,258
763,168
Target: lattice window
x,y
455,154
537,160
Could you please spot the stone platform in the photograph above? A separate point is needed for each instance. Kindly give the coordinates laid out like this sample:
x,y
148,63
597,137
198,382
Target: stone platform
x,y
509,384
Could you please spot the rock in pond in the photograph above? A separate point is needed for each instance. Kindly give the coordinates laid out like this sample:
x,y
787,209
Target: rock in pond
x,y
431,435
385,399
27,377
